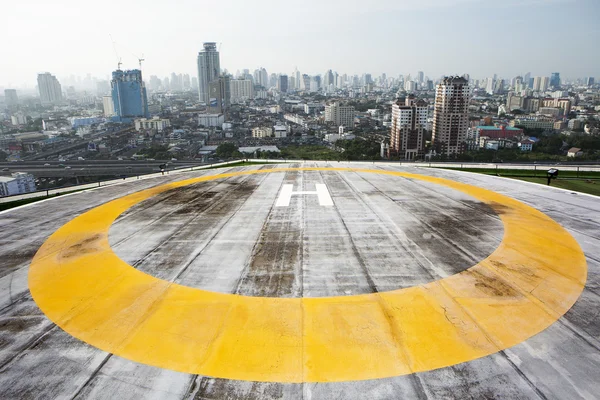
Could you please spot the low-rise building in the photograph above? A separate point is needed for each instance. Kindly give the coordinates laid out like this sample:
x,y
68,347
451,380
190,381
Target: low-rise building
x,y
534,122
17,183
262,132
156,124
211,120
526,145
574,152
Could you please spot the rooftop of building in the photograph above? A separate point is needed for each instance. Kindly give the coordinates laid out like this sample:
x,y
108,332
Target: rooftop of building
x,y
496,128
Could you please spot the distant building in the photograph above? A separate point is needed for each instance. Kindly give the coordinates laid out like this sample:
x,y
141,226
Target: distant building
x,y
241,90
156,124
409,119
108,106
555,80
534,122
526,145
262,132
209,69
282,83
590,81
280,131
575,124
10,97
211,120
129,95
494,132
340,115
18,183
18,119
219,97
451,115
574,152
50,89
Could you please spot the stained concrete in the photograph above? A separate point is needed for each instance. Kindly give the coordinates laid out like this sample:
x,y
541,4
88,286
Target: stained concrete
x,y
227,235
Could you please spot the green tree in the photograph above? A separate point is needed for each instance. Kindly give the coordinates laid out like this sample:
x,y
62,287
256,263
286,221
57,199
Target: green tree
x,y
227,150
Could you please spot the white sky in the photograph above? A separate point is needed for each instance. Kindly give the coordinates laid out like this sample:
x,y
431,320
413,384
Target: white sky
x,y
440,37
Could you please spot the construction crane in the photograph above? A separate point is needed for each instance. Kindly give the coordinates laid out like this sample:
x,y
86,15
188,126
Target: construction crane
x,y
140,61
116,53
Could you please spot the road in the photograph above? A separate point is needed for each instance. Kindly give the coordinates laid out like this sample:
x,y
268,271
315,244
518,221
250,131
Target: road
x,y
384,233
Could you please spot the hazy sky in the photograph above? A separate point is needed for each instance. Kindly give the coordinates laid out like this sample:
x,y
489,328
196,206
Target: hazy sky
x,y
479,37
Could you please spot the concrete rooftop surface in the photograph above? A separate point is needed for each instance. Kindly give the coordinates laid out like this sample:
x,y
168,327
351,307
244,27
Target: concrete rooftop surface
x,y
313,280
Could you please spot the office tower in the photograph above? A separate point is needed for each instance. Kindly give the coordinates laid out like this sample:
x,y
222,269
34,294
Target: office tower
x,y
451,115
209,69
590,82
10,97
298,77
328,78
555,80
165,83
489,86
420,76
305,82
129,95
409,119
241,90
537,83
282,83
526,79
50,89
272,80
410,86
291,83
340,115
544,83
219,97
186,83
194,83
175,82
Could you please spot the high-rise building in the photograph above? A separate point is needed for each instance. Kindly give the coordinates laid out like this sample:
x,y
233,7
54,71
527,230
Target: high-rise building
x,y
537,83
282,83
555,80
340,115
305,82
10,97
241,90
129,95
194,83
219,97
328,78
545,83
526,79
590,81
50,89
409,119
489,86
420,76
209,69
108,106
451,115
186,82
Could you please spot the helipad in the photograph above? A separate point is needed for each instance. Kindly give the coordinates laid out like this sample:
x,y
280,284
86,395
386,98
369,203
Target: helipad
x,y
308,280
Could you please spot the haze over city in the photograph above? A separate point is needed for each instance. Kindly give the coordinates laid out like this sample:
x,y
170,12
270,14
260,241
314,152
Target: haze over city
x,y
440,37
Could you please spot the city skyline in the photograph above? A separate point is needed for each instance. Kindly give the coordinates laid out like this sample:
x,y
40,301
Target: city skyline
x,y
358,40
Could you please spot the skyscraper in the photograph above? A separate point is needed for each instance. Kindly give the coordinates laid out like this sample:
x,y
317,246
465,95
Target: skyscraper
x,y
409,119
451,115
219,97
555,80
420,76
209,69
129,95
282,83
50,89
10,97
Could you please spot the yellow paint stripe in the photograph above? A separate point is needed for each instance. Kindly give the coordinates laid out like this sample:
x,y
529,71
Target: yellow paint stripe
x,y
533,278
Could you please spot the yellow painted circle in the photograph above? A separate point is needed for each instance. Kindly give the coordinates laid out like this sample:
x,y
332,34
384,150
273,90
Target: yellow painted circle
x,y
535,276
